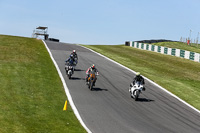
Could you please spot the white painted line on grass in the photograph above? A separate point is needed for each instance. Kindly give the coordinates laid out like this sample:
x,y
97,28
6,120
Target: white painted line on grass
x,y
67,91
145,79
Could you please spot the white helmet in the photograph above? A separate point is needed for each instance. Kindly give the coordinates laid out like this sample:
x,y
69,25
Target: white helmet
x,y
74,51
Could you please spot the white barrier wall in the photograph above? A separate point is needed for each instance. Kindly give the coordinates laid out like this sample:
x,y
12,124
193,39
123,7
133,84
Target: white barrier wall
x,y
145,46
197,57
162,50
178,52
187,54
169,51
156,49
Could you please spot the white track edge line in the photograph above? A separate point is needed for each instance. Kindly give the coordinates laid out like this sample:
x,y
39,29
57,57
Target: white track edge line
x,y
146,79
67,91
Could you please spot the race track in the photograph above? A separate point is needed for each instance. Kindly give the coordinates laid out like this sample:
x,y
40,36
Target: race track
x,y
109,107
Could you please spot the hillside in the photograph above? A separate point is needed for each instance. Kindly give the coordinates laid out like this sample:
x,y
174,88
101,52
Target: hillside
x,y
32,95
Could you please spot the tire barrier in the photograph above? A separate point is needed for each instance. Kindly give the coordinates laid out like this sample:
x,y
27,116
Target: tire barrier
x,y
53,39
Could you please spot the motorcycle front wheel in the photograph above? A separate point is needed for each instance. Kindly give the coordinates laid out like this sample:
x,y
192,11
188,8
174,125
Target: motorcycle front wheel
x,y
136,95
91,85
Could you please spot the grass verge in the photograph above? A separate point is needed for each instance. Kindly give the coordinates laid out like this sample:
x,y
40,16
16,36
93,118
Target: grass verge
x,y
179,76
31,93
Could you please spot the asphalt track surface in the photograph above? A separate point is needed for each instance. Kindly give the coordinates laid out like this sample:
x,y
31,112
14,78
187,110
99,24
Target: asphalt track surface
x,y
109,107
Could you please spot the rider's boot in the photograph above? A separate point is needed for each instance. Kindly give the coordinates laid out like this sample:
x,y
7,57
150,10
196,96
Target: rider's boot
x,y
95,82
86,80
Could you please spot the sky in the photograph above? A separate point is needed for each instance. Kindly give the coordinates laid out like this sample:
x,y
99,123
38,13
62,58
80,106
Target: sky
x,y
107,22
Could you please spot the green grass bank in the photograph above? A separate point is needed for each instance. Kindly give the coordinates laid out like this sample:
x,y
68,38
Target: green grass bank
x,y
179,76
32,96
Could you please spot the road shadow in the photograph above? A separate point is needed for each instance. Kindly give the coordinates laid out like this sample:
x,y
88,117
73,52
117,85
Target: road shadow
x,y
99,89
79,70
144,100
76,78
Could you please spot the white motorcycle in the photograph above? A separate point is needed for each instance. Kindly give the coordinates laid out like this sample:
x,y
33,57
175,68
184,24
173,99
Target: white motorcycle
x,y
69,70
135,90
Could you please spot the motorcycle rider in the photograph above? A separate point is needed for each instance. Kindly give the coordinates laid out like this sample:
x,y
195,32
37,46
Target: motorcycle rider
x,y
90,70
70,62
75,56
138,78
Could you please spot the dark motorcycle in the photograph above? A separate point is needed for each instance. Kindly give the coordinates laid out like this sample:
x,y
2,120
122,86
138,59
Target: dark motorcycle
x,y
75,61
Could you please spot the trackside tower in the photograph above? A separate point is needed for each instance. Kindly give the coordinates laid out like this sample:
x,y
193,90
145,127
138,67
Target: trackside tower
x,y
41,31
